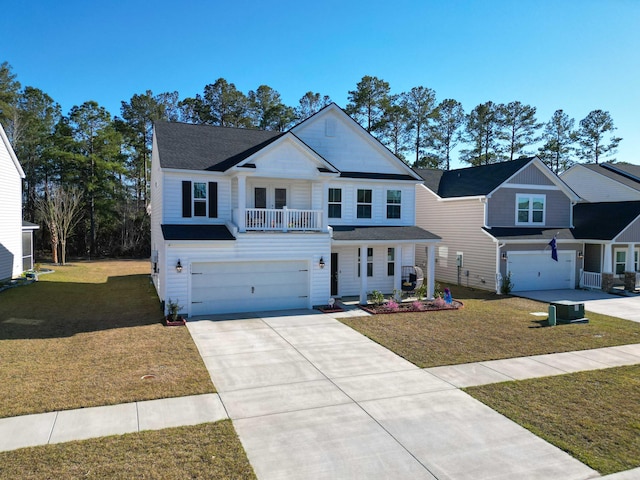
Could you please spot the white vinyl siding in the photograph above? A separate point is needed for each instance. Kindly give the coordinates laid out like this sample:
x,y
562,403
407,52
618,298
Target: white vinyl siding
x,y
594,187
10,215
171,197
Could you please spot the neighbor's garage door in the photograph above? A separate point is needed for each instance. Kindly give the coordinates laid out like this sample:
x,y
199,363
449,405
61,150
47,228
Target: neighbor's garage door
x,y
248,286
538,271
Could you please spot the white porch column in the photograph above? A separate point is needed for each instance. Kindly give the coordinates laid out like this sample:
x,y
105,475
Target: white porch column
x,y
431,270
242,203
630,260
607,263
363,274
397,274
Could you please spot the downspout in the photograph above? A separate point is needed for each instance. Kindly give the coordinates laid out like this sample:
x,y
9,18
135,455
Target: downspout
x,y
498,260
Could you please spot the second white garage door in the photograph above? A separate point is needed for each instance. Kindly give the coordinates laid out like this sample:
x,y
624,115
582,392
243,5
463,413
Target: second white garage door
x,y
248,286
538,271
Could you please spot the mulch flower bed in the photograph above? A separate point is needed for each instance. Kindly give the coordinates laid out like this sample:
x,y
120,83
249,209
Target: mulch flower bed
x,y
417,306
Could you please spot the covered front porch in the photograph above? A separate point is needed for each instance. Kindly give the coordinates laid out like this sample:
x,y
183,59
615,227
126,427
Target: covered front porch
x,y
608,265
365,259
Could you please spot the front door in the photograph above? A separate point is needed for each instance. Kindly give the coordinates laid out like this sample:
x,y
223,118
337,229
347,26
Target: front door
x,y
334,274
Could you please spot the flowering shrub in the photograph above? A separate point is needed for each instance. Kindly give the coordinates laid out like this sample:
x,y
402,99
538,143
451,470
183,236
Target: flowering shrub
x,y
417,305
392,305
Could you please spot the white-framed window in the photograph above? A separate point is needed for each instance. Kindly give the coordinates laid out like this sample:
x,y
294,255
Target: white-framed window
x,y
394,201
335,203
364,203
391,262
620,260
530,209
199,199
369,262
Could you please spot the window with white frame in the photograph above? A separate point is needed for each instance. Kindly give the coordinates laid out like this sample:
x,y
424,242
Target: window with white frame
x,y
620,260
335,203
364,203
199,199
369,262
391,262
394,200
530,209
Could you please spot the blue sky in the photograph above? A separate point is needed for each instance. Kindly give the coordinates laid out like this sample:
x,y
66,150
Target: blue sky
x,y
578,55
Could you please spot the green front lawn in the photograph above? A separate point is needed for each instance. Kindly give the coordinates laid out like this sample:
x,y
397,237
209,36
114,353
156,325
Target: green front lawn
x,y
210,450
489,327
86,335
594,416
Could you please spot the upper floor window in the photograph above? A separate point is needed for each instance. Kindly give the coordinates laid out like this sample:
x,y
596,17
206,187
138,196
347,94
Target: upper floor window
x,y
335,203
199,199
364,203
394,199
530,209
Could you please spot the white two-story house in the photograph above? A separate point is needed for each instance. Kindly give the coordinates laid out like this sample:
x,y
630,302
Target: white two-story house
x,y
250,220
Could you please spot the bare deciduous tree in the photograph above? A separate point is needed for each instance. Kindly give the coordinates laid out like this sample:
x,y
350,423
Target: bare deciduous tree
x,y
60,210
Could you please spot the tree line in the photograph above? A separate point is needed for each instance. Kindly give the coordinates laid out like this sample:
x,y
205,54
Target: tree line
x,y
92,169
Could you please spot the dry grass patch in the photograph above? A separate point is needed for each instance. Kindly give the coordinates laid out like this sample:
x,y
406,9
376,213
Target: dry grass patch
x,y
489,327
210,450
85,335
594,416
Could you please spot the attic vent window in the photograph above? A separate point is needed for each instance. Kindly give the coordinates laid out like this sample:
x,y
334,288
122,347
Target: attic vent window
x,y
330,127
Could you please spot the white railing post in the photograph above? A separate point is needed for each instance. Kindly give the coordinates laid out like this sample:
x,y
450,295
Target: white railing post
x,y
285,218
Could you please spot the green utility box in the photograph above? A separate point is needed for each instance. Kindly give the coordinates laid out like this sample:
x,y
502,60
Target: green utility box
x,y
570,312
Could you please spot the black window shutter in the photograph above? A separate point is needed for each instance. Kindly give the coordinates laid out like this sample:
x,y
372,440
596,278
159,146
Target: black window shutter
x,y
213,199
186,198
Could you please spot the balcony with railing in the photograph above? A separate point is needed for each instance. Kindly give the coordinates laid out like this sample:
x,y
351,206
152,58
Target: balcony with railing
x,y
279,220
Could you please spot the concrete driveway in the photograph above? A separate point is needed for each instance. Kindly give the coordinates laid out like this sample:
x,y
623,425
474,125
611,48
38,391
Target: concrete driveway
x,y
312,398
594,301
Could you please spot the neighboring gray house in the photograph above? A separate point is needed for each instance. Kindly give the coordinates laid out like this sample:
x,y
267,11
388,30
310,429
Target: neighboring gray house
x,y
11,236
500,218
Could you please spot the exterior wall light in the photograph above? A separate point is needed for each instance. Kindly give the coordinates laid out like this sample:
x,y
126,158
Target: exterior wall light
x,y
504,255
321,262
580,255
178,267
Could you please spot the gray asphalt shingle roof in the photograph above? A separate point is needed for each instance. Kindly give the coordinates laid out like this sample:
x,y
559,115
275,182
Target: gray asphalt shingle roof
x,y
375,233
196,232
207,147
471,181
603,220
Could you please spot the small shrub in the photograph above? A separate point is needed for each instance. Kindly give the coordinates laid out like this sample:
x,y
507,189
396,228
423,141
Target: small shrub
x,y
417,305
507,284
437,291
377,297
421,291
397,294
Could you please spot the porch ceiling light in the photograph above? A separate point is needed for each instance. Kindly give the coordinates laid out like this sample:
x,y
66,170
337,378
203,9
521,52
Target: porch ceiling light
x,y
178,266
321,262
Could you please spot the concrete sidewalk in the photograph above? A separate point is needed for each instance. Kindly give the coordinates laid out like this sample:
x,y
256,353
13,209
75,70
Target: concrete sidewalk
x,y
80,424
312,398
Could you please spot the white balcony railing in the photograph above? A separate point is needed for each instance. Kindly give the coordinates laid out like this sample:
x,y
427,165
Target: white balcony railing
x,y
591,280
286,219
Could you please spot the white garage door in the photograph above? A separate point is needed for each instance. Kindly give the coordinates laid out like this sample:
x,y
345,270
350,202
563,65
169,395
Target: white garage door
x,y
248,286
538,271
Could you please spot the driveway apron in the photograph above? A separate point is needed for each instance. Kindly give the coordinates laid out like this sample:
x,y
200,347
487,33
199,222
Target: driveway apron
x,y
312,398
